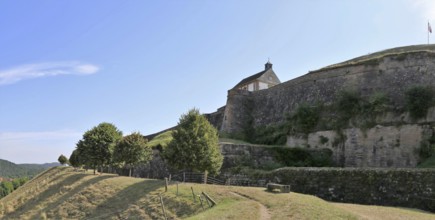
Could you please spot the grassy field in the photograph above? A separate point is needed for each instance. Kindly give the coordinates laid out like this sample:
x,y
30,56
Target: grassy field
x,y
162,140
62,193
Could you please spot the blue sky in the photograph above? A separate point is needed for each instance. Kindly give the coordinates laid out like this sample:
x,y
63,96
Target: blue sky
x,y
66,66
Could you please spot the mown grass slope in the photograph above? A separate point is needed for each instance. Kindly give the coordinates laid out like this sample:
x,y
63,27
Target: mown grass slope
x,y
61,193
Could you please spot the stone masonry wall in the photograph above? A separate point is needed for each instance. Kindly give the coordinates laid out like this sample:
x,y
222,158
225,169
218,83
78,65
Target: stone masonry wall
x,y
391,75
413,188
394,142
381,146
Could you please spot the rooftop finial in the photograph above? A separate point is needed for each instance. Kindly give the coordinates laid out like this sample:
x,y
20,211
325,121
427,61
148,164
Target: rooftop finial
x,y
268,65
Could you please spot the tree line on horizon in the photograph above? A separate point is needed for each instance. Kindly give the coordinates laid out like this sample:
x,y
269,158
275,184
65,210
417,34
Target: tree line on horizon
x,y
194,147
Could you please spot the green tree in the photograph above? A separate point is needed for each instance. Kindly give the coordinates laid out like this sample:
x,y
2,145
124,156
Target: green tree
x,y
7,187
23,180
132,150
74,159
194,145
95,149
16,183
62,159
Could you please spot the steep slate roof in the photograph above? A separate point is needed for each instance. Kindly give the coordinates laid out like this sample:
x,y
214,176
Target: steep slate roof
x,y
251,78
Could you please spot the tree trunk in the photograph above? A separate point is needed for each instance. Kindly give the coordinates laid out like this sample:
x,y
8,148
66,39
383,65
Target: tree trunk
x,y
129,173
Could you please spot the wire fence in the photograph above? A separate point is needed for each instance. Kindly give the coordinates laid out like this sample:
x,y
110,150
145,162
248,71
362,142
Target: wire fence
x,y
234,180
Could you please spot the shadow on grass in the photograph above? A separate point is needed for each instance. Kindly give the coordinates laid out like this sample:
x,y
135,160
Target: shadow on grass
x,y
74,191
275,191
40,197
121,201
29,185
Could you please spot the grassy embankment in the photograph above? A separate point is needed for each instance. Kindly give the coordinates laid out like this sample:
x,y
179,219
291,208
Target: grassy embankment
x,y
62,193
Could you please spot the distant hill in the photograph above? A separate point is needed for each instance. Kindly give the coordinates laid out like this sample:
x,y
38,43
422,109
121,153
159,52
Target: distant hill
x,y
12,170
39,166
61,193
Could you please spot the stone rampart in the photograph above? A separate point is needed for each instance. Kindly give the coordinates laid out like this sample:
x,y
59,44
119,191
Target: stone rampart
x,y
394,142
391,75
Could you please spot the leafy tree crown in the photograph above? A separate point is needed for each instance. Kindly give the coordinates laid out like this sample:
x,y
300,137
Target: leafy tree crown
x,y
194,145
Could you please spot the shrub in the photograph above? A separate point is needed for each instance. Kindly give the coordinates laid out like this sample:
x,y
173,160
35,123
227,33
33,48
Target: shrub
x,y
348,103
323,139
418,100
427,148
378,103
304,119
301,157
271,135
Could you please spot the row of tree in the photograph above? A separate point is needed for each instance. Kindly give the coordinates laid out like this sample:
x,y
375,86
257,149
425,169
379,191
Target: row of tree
x,y
194,147
6,187
104,146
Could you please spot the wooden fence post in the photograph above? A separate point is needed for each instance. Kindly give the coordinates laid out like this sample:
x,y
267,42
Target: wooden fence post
x,y
163,207
193,194
200,199
166,184
205,177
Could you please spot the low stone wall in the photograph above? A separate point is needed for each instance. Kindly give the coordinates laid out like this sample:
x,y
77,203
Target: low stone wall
x,y
255,156
414,188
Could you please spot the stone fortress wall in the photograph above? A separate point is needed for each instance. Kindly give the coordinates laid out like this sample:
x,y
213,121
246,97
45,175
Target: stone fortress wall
x,y
392,143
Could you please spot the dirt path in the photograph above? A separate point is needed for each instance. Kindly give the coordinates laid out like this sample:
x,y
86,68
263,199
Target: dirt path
x,y
264,212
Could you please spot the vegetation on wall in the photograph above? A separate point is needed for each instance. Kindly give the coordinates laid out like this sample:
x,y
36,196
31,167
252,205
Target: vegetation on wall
x,y
418,100
348,103
302,157
284,157
427,148
349,108
359,111
304,119
271,135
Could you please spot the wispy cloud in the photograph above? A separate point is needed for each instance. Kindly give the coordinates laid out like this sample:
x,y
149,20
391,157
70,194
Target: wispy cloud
x,y
38,70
